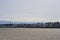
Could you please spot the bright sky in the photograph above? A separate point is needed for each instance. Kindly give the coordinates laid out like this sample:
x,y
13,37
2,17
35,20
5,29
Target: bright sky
x,y
30,10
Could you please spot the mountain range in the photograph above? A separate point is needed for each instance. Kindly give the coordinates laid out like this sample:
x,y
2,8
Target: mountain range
x,y
13,22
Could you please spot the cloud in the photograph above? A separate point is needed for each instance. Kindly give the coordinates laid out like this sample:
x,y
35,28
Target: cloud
x,y
30,10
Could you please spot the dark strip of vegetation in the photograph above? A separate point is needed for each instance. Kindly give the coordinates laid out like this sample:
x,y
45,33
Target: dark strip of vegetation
x,y
37,25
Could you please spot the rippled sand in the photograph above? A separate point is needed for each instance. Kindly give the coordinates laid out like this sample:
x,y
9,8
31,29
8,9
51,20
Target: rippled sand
x,y
29,34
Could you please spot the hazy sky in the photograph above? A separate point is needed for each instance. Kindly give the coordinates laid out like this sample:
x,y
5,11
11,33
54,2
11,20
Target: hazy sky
x,y
30,10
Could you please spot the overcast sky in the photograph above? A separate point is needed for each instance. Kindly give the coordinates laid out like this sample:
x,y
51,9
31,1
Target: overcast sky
x,y
30,10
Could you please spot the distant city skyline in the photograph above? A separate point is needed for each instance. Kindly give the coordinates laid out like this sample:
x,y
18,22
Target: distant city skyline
x,y
30,10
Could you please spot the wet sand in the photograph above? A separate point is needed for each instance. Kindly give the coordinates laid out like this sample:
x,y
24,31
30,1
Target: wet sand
x,y
29,34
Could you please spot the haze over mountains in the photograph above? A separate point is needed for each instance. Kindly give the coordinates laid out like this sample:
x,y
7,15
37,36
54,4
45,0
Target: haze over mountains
x,y
14,22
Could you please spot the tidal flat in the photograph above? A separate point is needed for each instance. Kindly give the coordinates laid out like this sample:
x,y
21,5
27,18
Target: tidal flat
x,y
29,34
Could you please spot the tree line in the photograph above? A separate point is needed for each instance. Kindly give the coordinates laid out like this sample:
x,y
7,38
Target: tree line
x,y
37,25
